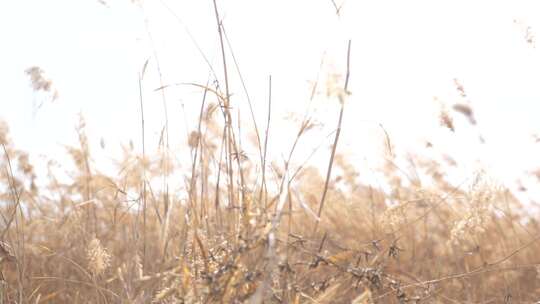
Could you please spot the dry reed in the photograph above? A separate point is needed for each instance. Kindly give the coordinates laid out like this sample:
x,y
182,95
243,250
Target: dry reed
x,y
248,232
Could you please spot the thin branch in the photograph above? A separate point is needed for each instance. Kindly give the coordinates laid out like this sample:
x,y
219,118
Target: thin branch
x,y
263,164
338,131
337,8
143,163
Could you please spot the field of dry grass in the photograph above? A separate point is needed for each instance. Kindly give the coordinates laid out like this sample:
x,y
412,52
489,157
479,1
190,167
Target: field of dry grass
x,y
126,239
255,230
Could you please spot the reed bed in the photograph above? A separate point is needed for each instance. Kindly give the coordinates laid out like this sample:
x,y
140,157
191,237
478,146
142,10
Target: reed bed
x,y
257,231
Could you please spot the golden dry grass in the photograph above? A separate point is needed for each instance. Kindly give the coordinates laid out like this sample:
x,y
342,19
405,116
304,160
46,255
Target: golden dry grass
x,y
88,241
249,236
116,239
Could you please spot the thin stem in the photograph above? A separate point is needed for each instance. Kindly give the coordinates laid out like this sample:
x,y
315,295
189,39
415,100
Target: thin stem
x,y
144,169
263,163
336,139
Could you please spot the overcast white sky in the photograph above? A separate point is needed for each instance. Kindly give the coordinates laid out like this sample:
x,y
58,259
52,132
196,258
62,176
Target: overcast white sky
x,y
404,55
